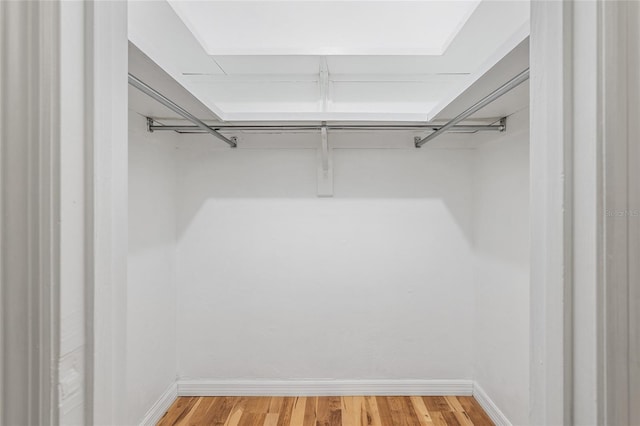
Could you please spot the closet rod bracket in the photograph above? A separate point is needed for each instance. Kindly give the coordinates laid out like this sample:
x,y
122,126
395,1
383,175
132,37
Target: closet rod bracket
x,y
149,124
503,124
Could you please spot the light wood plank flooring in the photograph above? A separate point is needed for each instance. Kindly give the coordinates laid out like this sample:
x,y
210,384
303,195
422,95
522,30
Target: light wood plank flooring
x,y
326,411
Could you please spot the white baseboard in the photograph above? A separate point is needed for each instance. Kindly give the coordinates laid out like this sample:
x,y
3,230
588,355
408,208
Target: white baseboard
x,y
161,406
323,387
489,406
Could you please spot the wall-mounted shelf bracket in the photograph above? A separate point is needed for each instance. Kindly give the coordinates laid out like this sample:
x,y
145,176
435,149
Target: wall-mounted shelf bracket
x,y
325,164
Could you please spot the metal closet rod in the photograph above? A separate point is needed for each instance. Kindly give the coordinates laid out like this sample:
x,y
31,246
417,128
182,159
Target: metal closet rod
x,y
452,125
299,127
148,90
514,82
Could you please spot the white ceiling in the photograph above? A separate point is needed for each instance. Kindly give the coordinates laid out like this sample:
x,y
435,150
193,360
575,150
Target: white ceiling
x,y
327,60
324,27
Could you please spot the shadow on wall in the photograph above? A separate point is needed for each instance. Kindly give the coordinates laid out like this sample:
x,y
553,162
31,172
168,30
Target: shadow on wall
x,y
425,179
501,193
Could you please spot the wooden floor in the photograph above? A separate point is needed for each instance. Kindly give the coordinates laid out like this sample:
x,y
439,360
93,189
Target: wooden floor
x,y
326,411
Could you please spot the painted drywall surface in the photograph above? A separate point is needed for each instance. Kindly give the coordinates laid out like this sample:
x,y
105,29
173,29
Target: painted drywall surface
x,y
501,246
275,283
151,291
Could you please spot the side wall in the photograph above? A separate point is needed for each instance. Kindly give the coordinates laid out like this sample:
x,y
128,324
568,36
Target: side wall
x,y
276,283
151,290
501,245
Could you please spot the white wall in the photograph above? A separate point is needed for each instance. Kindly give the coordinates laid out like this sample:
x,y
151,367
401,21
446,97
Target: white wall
x,y
501,246
151,290
417,268
275,283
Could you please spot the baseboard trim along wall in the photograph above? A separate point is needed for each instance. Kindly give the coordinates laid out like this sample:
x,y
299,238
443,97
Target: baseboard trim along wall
x,y
489,406
323,387
161,406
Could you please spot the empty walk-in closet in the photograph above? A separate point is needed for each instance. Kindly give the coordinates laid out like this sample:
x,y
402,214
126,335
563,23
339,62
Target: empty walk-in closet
x,y
319,212
308,241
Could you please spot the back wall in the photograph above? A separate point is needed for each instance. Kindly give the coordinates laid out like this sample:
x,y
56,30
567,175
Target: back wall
x,y
276,283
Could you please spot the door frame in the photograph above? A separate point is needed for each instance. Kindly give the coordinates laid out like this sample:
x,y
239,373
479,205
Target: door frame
x,y
584,163
584,172
63,211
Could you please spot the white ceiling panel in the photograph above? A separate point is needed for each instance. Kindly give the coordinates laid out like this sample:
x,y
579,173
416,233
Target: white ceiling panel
x,y
324,27
389,97
380,92
398,64
490,26
383,109
276,92
265,64
269,107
